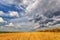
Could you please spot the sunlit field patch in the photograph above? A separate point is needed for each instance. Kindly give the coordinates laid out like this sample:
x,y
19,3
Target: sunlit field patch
x,y
31,36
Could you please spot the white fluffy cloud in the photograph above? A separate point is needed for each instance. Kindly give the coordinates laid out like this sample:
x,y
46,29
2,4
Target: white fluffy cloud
x,y
25,1
1,12
1,19
10,24
13,13
10,14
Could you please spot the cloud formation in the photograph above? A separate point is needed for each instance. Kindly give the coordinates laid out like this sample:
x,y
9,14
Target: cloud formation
x,y
1,20
33,14
14,14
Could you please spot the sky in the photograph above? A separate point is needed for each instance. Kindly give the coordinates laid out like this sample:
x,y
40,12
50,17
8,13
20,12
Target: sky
x,y
29,15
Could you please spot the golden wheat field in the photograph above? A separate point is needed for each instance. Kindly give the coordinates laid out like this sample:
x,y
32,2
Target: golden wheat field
x,y
30,36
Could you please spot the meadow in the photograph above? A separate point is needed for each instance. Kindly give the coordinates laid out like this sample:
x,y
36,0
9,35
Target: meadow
x,y
30,36
40,35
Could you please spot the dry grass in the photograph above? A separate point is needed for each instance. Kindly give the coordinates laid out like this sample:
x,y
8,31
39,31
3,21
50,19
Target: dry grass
x,y
31,36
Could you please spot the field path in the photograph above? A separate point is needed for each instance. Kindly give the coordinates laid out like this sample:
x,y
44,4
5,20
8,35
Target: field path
x,y
30,36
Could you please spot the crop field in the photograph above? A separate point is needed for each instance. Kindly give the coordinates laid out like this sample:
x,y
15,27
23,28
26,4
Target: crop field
x,y
30,36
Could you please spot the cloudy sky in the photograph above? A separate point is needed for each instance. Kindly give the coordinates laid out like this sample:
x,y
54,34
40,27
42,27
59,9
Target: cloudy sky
x,y
29,15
